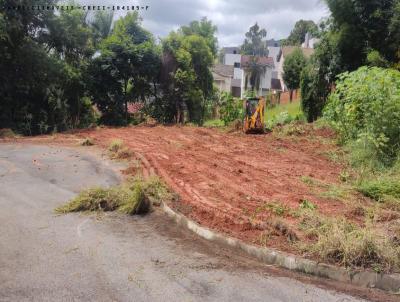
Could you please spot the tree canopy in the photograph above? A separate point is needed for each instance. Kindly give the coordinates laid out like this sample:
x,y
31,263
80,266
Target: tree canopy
x,y
42,56
55,65
125,69
186,78
254,44
292,69
363,26
298,33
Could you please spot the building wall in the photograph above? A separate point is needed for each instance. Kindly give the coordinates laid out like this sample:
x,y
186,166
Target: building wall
x,y
273,53
285,97
231,59
280,73
237,73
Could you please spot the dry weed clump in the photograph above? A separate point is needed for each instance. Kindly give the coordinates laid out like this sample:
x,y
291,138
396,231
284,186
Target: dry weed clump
x,y
118,150
338,241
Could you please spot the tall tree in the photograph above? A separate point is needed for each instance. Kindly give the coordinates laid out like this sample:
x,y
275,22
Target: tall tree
x,y
186,76
298,33
254,44
320,73
40,55
128,62
72,39
205,29
292,69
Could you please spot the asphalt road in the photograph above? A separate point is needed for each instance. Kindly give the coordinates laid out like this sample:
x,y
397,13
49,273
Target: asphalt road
x,y
112,257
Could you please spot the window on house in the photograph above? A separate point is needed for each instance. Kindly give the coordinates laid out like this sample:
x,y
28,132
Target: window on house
x,y
236,65
234,52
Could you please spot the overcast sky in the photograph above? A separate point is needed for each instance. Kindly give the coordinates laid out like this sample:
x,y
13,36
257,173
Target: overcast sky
x,y
233,17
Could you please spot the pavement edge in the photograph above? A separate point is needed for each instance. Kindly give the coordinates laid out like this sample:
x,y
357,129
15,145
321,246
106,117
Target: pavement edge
x,y
386,282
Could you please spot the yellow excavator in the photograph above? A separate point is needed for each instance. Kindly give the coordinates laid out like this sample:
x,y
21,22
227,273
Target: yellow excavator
x,y
254,110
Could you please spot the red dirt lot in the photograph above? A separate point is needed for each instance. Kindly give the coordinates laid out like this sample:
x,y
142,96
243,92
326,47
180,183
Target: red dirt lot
x,y
225,179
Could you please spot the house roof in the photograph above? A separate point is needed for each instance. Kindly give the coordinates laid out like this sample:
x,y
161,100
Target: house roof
x,y
273,43
223,70
231,50
276,84
287,50
267,61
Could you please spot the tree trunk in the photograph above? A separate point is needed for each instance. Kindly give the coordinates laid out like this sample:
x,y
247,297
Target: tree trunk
x,y
291,95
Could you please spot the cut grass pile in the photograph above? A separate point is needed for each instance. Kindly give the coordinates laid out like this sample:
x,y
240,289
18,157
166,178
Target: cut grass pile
x,y
118,150
134,197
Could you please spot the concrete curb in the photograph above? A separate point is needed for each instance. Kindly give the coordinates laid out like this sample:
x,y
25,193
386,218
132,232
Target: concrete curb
x,y
386,282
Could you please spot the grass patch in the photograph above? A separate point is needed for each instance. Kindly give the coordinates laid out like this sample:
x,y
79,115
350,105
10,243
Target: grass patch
x,y
307,205
134,197
334,156
380,189
214,123
277,208
335,192
336,240
308,180
274,207
293,110
118,150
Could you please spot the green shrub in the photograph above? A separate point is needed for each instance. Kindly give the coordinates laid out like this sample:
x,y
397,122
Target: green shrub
x,y
283,118
314,90
231,109
365,108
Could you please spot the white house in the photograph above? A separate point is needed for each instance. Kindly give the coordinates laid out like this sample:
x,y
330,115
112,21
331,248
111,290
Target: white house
x,y
233,72
266,77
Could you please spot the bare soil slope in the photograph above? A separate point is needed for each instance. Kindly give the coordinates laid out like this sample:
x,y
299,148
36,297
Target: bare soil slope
x,y
226,179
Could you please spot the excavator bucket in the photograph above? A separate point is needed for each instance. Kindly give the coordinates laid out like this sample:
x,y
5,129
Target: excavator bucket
x,y
254,110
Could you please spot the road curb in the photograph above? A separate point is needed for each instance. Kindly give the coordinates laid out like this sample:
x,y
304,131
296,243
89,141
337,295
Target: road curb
x,y
386,282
